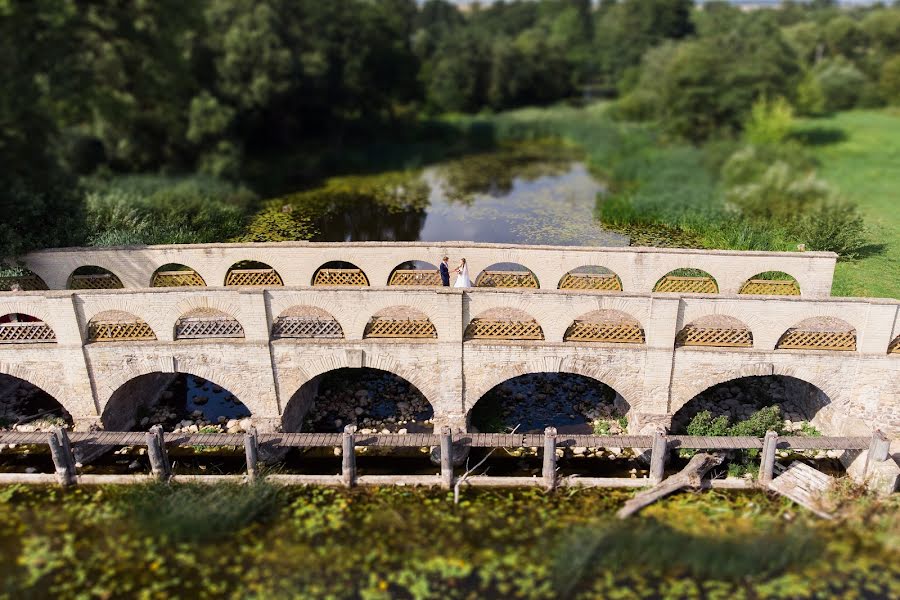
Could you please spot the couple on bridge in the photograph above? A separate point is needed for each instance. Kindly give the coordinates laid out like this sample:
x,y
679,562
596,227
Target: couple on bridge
x,y
462,272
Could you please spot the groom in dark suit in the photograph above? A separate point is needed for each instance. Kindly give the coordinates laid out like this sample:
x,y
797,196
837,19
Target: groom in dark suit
x,y
445,271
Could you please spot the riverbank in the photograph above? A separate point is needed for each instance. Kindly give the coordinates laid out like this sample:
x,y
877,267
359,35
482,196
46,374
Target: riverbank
x,y
154,541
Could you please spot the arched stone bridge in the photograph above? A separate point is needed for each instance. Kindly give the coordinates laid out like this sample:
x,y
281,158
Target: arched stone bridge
x,y
268,345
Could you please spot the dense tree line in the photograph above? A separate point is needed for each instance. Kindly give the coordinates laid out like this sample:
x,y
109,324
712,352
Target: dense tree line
x,y
151,85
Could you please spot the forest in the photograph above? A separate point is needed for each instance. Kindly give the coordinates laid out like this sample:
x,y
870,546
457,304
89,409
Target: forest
x,y
225,88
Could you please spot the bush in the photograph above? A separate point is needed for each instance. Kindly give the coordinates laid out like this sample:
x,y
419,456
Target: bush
x,y
890,80
841,84
763,420
703,423
769,122
834,227
810,97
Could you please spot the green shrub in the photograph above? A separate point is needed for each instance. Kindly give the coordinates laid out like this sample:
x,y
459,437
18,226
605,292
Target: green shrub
x,y
763,420
703,423
841,83
601,427
769,122
835,227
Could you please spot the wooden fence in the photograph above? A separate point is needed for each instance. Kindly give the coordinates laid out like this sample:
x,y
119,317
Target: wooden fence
x,y
660,445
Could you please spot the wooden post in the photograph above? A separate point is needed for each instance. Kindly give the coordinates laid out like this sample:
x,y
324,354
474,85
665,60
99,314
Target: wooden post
x,y
348,456
62,456
879,449
658,452
549,470
251,450
767,459
156,451
446,458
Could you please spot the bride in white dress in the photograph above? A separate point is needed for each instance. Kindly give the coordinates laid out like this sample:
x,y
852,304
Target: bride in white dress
x,y
462,279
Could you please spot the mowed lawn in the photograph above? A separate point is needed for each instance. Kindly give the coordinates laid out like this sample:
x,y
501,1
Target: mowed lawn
x,y
859,152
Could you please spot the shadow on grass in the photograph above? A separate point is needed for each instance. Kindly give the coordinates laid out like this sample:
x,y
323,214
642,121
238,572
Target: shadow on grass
x,y
656,550
869,250
819,136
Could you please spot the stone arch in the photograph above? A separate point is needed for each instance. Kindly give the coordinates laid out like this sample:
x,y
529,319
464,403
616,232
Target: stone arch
x,y
507,275
687,281
415,273
176,275
118,325
400,322
771,283
301,401
37,310
46,380
339,273
628,388
92,277
23,328
306,321
31,401
591,277
722,331
606,325
504,323
819,333
252,273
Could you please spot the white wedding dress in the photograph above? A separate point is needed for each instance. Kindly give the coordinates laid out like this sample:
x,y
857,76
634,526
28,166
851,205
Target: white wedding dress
x,y
462,280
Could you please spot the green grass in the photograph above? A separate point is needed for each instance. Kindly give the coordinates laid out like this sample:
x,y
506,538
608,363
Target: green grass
x,y
859,153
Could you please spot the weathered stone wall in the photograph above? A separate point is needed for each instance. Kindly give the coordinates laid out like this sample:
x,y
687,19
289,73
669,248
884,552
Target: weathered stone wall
x,y
638,268
654,378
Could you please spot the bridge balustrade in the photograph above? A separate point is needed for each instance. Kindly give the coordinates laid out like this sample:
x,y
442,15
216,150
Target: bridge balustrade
x,y
585,331
26,333
507,279
798,339
177,279
687,285
770,287
99,281
27,283
341,278
195,328
380,327
119,331
714,336
608,282
253,277
412,277
306,328
489,329
894,347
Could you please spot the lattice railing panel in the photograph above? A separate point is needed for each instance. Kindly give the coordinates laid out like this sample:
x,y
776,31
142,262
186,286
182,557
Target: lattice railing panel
x,y
347,277
591,281
583,331
420,278
119,331
687,285
797,339
894,347
400,328
26,333
771,287
714,336
483,329
306,327
28,283
177,279
194,328
257,277
106,281
507,279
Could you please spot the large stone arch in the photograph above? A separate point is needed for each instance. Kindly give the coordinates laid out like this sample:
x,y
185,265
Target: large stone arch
x,y
630,389
47,381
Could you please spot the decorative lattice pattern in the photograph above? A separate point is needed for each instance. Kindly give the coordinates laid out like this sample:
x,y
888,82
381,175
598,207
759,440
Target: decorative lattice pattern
x,y
177,279
583,331
349,277
26,333
105,281
771,287
507,279
421,278
714,336
119,331
258,277
195,328
400,328
484,329
894,348
687,285
28,283
306,327
817,340
591,281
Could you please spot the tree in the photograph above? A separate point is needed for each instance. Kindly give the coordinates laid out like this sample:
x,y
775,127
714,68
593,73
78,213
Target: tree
x,y
890,80
841,83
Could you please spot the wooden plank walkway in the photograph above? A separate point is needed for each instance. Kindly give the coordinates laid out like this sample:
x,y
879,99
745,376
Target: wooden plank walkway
x,y
804,485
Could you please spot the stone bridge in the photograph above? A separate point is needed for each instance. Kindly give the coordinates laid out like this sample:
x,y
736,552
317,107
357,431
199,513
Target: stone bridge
x,y
269,345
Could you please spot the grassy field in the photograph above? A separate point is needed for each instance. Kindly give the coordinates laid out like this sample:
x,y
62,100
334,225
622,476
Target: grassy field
x,y
859,152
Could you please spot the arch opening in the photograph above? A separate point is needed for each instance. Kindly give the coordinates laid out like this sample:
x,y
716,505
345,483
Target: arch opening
x,y
400,322
176,275
591,277
252,273
687,281
819,333
340,273
894,346
611,326
26,407
179,402
20,328
306,322
504,324
118,326
771,283
507,275
720,331
207,323
415,273
93,278
373,400
20,279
